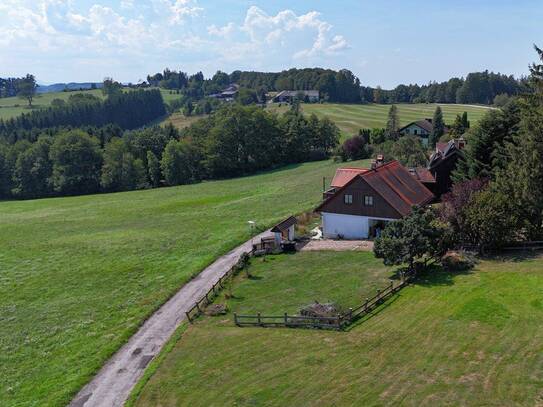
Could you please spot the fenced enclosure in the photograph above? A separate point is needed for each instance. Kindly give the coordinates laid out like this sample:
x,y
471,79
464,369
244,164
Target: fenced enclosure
x,y
210,295
338,322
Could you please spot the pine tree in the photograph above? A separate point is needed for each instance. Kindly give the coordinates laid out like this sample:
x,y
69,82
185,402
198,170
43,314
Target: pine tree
x,y
393,123
438,127
465,121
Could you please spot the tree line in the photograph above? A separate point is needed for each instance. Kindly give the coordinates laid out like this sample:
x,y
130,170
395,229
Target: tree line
x,y
128,110
344,87
235,140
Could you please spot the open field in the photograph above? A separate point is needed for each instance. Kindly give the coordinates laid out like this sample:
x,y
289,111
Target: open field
x,y
78,275
180,121
14,106
471,338
351,118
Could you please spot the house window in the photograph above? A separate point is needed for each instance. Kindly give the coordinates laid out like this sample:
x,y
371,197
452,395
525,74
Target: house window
x,y
368,200
415,132
348,199
406,131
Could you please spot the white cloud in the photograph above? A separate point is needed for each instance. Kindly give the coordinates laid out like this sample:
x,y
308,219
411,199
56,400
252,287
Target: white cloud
x,y
176,11
221,31
69,39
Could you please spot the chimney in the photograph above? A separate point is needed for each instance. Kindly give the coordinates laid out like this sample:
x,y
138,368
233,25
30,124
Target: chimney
x,y
380,159
461,143
373,164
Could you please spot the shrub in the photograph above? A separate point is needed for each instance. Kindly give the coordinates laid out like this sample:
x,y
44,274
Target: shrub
x,y
458,261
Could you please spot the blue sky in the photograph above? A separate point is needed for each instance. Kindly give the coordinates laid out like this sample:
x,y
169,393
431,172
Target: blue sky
x,y
383,42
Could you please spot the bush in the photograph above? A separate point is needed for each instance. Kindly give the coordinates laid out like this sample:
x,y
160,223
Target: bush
x,y
458,261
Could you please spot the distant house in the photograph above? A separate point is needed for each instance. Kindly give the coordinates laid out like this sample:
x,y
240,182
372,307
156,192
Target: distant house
x,y
422,128
228,94
286,96
362,201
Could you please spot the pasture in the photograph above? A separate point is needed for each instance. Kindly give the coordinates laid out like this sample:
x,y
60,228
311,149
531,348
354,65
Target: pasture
x,y
351,118
78,275
15,106
472,338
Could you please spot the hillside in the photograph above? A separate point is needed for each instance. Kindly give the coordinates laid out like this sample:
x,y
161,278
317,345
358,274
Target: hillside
x,y
351,118
450,339
80,274
14,106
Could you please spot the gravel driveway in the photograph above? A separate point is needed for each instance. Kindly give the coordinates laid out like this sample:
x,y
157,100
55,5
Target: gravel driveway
x,y
114,382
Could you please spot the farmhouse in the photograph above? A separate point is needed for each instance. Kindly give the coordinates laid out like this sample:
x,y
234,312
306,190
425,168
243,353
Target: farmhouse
x,y
311,96
436,176
228,94
361,201
422,128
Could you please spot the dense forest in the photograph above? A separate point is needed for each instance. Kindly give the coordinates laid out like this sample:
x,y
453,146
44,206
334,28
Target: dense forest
x,y
236,140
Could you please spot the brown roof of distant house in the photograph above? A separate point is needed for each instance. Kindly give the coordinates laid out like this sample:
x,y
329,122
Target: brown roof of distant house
x,y
423,175
285,224
396,185
441,146
344,175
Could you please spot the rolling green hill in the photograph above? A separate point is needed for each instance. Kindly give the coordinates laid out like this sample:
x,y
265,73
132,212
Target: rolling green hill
x,y
14,106
461,339
351,118
78,275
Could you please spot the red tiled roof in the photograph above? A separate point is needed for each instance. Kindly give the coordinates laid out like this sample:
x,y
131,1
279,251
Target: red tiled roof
x,y
344,175
398,187
395,184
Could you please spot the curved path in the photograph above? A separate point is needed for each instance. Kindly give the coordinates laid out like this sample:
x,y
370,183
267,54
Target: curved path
x,y
114,382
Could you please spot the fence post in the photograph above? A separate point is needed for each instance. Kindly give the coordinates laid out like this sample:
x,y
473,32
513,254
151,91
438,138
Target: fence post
x,y
366,305
391,288
286,319
350,315
198,308
188,316
258,320
236,319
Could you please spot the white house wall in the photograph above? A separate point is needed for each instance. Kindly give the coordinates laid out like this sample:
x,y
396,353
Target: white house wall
x,y
348,226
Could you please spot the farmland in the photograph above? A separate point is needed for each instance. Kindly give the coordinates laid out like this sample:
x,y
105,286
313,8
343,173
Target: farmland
x,y
351,118
471,338
14,106
78,275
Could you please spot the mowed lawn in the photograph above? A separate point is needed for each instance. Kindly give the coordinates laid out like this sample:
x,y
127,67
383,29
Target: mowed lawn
x,y
78,275
351,118
450,339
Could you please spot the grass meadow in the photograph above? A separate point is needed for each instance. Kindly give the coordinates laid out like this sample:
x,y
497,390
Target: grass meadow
x,y
472,338
351,118
14,106
78,275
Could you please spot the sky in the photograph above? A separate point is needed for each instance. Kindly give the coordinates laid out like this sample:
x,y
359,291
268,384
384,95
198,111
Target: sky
x,y
385,42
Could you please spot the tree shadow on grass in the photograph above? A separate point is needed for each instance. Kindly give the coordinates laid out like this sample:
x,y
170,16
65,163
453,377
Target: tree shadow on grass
x,y
514,256
436,275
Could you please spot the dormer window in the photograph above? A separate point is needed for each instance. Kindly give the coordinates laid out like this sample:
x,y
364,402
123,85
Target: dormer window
x,y
348,199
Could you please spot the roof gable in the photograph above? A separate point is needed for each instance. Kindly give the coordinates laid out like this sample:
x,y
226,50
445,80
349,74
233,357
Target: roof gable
x,y
344,175
395,184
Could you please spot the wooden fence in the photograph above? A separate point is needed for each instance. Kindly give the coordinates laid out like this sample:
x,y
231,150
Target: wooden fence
x,y
338,322
209,296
